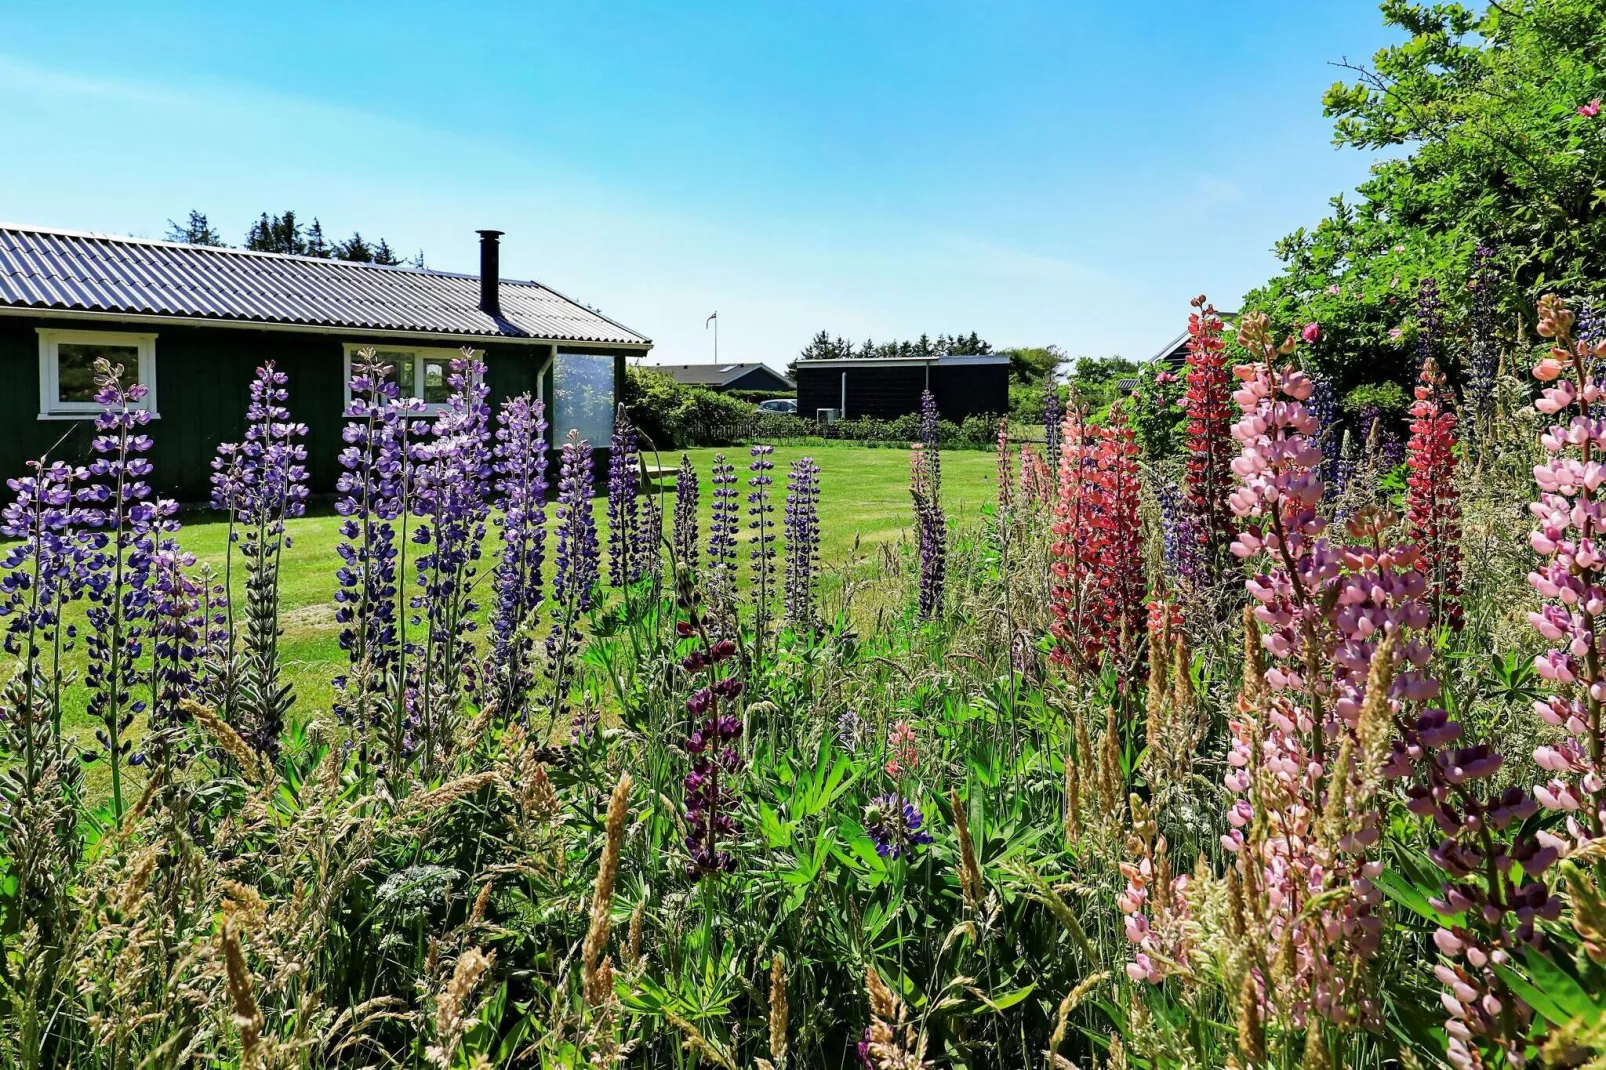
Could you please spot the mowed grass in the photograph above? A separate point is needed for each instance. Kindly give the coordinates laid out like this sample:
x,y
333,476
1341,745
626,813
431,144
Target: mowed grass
x,y
864,502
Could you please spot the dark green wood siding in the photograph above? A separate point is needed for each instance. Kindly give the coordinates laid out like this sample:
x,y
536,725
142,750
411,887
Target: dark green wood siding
x,y
203,375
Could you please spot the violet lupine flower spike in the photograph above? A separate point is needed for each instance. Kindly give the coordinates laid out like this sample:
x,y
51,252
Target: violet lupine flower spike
x,y
710,799
684,536
802,544
931,439
40,575
931,532
896,826
1483,356
624,506
521,463
575,569
761,522
373,496
453,478
261,482
1570,577
118,565
723,526
1429,323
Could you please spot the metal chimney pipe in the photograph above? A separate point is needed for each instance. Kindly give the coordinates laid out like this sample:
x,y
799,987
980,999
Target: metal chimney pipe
x,y
490,272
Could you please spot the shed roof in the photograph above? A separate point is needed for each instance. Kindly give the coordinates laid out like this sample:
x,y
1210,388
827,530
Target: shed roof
x,y
73,271
712,374
950,360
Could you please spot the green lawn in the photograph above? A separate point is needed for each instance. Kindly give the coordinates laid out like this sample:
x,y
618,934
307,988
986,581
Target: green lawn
x,y
864,497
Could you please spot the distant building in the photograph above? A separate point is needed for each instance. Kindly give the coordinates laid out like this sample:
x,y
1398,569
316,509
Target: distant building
x,y
891,387
726,376
1174,354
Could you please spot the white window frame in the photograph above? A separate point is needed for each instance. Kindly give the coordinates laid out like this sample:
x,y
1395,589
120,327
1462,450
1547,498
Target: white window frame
x,y
419,355
51,407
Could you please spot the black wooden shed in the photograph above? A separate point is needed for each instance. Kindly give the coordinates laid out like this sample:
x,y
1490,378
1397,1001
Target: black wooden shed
x,y
887,388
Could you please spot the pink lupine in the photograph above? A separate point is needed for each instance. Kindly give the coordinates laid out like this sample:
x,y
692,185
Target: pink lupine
x,y
1571,576
1323,611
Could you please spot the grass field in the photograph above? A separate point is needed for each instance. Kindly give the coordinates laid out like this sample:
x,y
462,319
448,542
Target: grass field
x,y
864,499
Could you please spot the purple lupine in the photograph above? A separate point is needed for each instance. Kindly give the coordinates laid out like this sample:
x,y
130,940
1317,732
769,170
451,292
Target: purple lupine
x,y
260,482
710,799
118,567
40,574
1429,323
374,488
1179,543
575,567
453,479
802,544
1483,355
624,506
761,522
176,636
895,825
1323,405
685,525
521,461
1382,442
931,438
723,526
931,531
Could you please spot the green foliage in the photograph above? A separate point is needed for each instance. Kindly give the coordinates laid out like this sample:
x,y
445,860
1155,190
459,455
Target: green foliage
x,y
1389,398
1485,107
1156,418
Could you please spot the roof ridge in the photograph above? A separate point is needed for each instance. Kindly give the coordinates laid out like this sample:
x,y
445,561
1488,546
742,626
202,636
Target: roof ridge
x,y
229,250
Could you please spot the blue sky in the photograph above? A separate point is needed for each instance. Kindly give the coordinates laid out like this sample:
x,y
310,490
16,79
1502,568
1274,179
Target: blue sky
x,y
1067,173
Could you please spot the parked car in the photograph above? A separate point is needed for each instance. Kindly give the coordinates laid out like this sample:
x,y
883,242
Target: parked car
x,y
786,406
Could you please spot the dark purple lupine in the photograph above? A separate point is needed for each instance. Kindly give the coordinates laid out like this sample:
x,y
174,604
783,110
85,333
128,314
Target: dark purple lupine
x,y
685,525
802,544
1382,443
575,568
895,825
452,486
761,524
131,525
1429,323
41,572
710,799
521,462
176,636
374,489
1323,405
1180,546
1483,354
624,506
723,526
260,482
931,439
931,531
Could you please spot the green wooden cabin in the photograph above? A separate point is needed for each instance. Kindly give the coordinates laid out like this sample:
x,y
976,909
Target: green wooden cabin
x,y
194,323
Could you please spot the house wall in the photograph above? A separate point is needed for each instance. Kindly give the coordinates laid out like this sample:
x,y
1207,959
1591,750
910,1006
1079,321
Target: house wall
x,y
890,392
758,379
203,376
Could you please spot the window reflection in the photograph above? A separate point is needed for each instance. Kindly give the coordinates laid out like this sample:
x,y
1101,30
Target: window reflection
x,y
584,403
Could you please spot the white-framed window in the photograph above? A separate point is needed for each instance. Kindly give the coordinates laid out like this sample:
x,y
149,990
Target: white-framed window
x,y
67,370
422,373
585,399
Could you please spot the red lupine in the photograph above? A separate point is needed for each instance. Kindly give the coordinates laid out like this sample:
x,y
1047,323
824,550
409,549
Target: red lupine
x,y
1210,446
1431,507
1099,590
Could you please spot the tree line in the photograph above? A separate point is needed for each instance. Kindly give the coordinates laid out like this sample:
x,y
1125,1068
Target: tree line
x,y
285,233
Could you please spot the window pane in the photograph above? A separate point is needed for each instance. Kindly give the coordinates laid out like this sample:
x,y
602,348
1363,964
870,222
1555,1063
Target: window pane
x,y
437,375
584,385
402,371
75,368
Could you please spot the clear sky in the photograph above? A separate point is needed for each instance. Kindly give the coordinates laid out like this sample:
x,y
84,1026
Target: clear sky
x,y
1067,173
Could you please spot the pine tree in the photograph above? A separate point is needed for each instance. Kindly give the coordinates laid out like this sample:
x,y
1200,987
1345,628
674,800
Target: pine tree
x,y
383,254
276,234
355,248
196,230
317,244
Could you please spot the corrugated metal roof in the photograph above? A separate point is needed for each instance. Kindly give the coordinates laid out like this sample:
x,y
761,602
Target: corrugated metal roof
x,y
905,362
73,271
